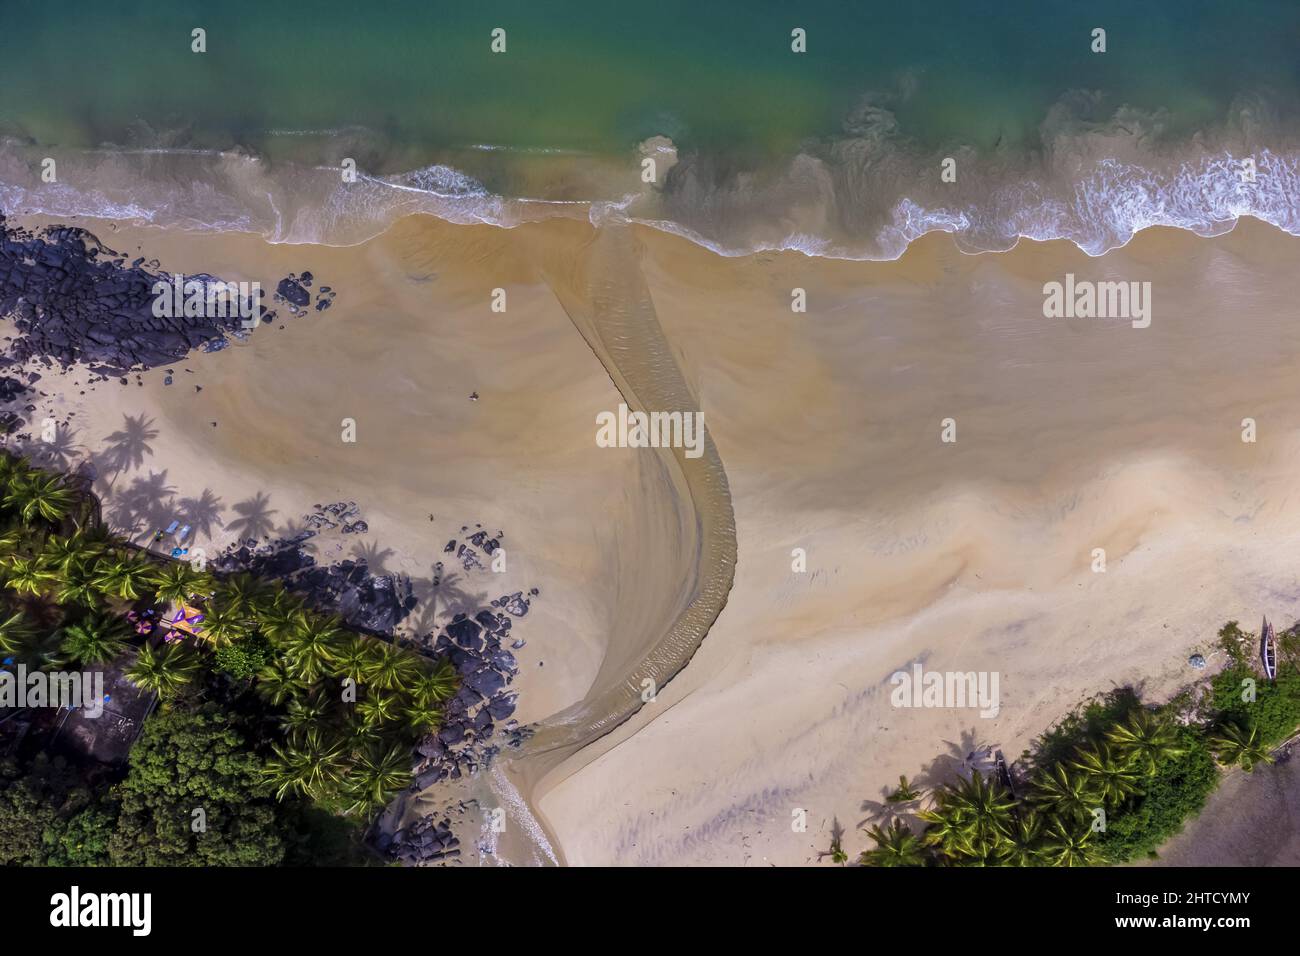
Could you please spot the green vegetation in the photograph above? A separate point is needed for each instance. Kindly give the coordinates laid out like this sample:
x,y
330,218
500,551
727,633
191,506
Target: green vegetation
x,y
339,710
1111,781
195,794
96,639
906,793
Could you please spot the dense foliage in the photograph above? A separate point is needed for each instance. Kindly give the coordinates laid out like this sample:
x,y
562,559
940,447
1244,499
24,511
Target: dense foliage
x,y
195,796
1111,781
340,710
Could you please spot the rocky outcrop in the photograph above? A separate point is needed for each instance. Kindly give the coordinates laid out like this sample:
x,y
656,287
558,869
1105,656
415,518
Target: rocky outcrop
x,y
75,300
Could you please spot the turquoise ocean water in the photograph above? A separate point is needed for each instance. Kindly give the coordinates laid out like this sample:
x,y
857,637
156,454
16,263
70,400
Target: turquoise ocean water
x,y
836,150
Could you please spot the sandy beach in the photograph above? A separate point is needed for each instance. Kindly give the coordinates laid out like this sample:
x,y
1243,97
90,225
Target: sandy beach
x,y
973,555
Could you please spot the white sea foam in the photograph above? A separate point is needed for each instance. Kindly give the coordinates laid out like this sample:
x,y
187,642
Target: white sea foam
x,y
818,209
510,798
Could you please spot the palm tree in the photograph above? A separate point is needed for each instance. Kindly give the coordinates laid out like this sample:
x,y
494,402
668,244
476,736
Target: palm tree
x,y
30,576
423,718
97,639
62,552
377,776
1236,744
353,659
303,713
837,854
1114,775
435,686
980,808
177,582
1150,737
897,846
310,768
358,736
12,542
905,793
378,709
223,624
244,594
281,615
1068,792
16,631
13,471
947,830
1069,844
275,685
390,667
309,650
1023,843
78,586
163,669
40,494
43,651
122,575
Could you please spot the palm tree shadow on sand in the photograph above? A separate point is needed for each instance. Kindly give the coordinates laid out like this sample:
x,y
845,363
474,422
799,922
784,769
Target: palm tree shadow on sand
x,y
449,597
58,454
836,847
127,448
201,513
963,757
142,506
374,555
254,519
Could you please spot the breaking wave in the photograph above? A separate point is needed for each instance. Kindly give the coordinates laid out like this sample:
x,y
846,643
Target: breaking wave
x,y
867,194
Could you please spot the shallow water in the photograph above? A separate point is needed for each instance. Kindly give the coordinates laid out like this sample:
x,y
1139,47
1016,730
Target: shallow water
x,y
835,152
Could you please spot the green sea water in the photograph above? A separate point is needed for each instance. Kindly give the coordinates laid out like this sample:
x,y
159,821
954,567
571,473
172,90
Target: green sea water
x,y
601,76
834,151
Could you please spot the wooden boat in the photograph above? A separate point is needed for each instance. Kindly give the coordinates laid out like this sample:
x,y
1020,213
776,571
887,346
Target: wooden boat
x,y
1268,650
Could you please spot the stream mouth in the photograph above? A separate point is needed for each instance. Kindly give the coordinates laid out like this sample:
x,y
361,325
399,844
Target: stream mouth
x,y
690,570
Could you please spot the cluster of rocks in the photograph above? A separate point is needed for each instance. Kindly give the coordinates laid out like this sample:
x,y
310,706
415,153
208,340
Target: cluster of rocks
x,y
516,603
13,391
293,292
424,841
370,602
75,300
342,515
477,721
375,603
468,552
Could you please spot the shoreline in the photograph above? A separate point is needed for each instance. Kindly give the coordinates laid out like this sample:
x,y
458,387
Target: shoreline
x,y
1095,179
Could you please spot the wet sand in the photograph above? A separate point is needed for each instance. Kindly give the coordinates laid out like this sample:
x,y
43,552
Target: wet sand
x,y
973,556
1071,435
1253,819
